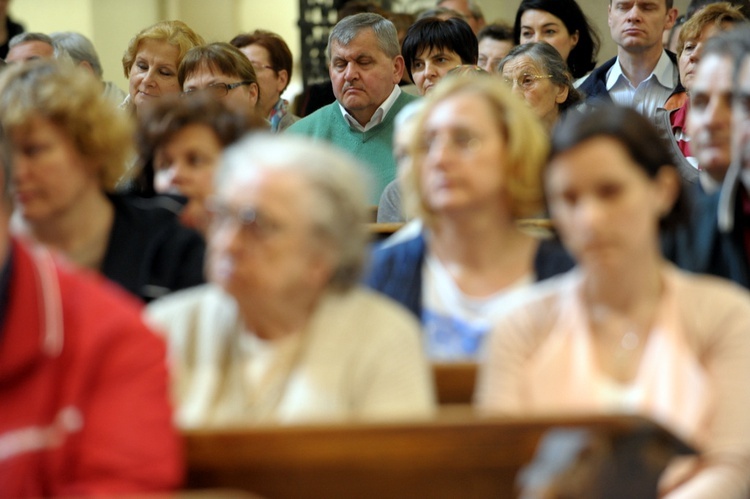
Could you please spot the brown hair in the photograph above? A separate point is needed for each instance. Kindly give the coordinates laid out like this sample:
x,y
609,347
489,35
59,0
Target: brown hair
x,y
278,50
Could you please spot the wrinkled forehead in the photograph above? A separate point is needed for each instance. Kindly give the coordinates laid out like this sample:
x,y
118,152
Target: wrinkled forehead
x,y
520,65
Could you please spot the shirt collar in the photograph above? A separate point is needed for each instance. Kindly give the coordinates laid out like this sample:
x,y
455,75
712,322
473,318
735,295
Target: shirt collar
x,y
377,117
665,72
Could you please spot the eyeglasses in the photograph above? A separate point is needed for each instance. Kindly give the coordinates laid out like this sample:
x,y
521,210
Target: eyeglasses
x,y
526,81
217,89
257,66
252,222
461,140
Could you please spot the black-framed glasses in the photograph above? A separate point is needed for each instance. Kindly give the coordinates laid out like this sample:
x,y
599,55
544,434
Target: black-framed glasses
x,y
217,89
526,80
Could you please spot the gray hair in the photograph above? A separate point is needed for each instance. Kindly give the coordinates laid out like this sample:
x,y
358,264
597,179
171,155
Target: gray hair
x,y
550,62
335,180
474,8
79,48
59,52
349,27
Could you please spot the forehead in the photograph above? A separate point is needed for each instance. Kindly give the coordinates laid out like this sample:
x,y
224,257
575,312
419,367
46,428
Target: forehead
x,y
464,110
34,48
539,18
364,43
158,49
277,190
642,4
713,71
520,64
256,52
583,162
206,69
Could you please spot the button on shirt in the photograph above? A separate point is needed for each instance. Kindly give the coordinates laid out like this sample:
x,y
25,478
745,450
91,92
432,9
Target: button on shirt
x,y
377,117
652,92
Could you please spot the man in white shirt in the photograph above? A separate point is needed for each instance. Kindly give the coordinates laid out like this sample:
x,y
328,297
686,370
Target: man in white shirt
x,y
643,75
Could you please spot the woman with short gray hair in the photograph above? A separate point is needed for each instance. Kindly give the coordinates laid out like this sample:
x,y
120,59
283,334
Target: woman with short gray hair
x,y
283,333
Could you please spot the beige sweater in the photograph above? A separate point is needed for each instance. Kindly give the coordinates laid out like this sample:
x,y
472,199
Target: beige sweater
x,y
359,358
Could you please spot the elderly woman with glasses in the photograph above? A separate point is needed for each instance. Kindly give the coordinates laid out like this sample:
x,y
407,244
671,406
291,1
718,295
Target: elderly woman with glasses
x,y
537,73
222,71
272,60
283,333
476,158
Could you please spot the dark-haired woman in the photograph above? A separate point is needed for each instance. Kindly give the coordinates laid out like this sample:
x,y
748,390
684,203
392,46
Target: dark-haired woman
x,y
562,24
625,331
433,47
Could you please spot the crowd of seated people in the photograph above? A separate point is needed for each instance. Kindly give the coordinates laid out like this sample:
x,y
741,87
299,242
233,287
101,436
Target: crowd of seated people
x,y
116,333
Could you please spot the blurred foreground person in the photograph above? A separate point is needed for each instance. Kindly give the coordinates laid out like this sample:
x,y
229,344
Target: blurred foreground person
x,y
626,331
477,154
283,333
68,145
83,383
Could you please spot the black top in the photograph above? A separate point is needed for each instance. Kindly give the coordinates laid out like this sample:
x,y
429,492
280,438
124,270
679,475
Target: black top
x,y
149,252
13,29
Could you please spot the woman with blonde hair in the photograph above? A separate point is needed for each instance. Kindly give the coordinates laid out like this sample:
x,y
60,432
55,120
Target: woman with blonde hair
x,y
151,61
477,154
68,147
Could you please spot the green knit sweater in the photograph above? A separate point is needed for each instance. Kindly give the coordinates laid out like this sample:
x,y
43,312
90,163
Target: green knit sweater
x,y
374,148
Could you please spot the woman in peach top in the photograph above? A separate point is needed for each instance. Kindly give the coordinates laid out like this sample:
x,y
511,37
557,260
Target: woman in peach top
x,y
625,331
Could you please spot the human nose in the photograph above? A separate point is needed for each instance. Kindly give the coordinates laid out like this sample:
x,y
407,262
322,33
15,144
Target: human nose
x,y
589,215
430,69
718,113
149,77
634,14
351,72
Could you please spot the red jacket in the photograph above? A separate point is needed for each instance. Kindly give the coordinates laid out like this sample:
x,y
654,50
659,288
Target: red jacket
x,y
83,388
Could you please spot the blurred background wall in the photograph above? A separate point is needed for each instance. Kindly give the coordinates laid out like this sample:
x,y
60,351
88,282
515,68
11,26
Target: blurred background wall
x,y
111,23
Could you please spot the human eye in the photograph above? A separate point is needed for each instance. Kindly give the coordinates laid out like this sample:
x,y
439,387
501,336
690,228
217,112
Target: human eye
x,y
339,64
689,47
609,190
742,102
197,160
417,65
623,6
527,80
33,149
698,101
143,66
526,34
482,60
166,72
550,32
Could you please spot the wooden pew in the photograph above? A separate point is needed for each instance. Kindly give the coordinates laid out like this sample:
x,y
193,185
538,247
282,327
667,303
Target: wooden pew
x,y
467,457
454,381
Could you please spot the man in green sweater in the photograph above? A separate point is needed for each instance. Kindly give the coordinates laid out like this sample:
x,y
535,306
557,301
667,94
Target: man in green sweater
x,y
365,65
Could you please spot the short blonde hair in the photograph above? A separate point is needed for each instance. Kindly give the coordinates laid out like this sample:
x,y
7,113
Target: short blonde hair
x,y
71,99
176,33
526,141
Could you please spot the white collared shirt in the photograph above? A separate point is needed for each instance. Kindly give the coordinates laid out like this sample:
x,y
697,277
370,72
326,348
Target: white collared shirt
x,y
377,117
650,94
